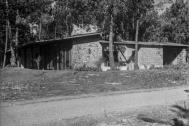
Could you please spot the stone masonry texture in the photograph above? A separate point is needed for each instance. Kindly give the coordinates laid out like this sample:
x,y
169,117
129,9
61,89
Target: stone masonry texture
x,y
150,55
86,51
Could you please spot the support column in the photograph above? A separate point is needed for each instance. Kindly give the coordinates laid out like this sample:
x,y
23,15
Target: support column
x,y
19,58
58,56
25,61
32,57
40,53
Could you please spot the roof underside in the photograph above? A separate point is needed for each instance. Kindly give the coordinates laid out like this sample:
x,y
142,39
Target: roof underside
x,y
148,43
44,42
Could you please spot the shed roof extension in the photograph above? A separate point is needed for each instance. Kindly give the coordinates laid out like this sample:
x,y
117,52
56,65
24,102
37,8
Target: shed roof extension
x,y
147,43
43,42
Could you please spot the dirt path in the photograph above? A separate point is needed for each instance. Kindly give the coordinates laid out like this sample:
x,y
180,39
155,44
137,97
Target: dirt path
x,y
44,112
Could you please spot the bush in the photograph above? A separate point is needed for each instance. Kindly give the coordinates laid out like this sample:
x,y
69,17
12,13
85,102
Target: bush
x,y
99,62
9,65
177,67
86,68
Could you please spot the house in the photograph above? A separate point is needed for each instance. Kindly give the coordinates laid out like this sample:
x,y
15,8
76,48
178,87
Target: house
x,y
150,54
59,54
89,49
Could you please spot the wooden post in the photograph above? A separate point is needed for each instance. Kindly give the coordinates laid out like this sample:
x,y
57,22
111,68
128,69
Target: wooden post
x,y
19,51
25,61
40,53
69,57
32,57
58,56
136,47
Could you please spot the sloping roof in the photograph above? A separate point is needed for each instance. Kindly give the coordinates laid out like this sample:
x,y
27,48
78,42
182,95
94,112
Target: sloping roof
x,y
147,43
43,42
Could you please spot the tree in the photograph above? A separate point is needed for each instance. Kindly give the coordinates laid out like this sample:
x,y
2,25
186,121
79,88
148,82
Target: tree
x,y
105,15
117,19
18,13
171,26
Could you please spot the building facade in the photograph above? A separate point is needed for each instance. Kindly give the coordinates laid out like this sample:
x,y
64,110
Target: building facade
x,y
90,50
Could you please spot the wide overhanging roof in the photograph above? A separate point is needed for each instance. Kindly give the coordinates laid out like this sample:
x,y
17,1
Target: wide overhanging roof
x,y
44,42
147,43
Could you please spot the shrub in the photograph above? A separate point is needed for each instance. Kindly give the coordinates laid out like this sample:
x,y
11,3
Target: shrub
x,y
99,62
9,65
152,66
84,67
177,67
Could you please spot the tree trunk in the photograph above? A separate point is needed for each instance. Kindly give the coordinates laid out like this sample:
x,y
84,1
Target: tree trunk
x,y
55,31
16,43
136,48
111,56
5,53
67,27
13,57
40,25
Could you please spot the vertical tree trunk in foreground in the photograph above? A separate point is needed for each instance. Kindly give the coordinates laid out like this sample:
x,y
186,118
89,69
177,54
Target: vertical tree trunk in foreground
x,y
13,57
40,25
136,48
16,43
5,52
111,56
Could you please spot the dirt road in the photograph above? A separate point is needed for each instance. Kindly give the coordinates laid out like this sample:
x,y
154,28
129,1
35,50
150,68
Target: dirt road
x,y
44,112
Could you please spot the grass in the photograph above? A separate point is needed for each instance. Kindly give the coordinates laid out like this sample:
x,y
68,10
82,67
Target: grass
x,y
22,84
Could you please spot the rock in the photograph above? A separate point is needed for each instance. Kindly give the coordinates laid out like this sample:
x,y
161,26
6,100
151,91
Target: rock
x,y
124,120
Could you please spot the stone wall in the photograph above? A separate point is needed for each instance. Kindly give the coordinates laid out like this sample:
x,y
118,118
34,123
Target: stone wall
x,y
150,56
86,51
174,55
181,57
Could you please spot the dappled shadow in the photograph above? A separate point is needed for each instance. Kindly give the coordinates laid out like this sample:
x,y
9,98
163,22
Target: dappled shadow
x,y
181,119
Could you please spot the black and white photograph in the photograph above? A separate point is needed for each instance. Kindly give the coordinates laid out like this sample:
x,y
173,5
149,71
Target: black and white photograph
x,y
94,62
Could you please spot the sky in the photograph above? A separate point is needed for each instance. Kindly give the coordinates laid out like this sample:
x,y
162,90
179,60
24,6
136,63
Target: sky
x,y
167,5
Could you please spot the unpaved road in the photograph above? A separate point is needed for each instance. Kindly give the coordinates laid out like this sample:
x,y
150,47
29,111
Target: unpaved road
x,y
44,112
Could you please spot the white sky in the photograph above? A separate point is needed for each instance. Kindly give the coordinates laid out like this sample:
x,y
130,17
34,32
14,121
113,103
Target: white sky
x,y
167,5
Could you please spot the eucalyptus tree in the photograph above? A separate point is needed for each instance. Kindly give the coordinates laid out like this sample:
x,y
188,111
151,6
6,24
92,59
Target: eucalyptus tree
x,y
117,19
105,14
18,14
172,25
178,16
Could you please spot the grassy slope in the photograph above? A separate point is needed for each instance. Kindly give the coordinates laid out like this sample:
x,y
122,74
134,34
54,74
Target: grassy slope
x,y
17,83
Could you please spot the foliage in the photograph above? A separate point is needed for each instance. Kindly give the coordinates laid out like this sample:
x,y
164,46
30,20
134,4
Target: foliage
x,y
99,62
172,25
116,19
84,67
